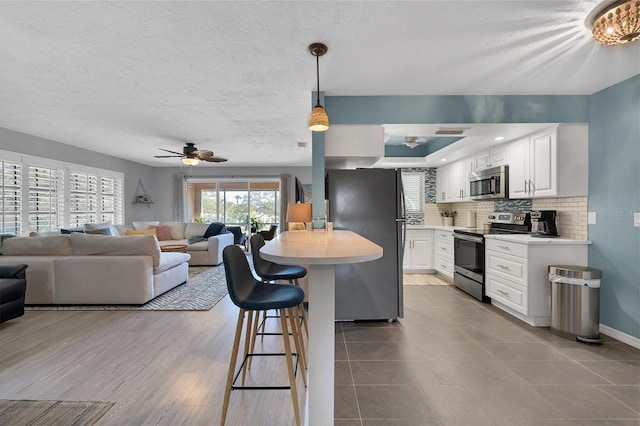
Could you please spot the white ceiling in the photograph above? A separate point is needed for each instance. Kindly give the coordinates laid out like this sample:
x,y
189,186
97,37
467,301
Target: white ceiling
x,y
126,78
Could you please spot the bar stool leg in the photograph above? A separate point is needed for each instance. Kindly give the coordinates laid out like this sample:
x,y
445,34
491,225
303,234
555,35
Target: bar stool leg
x,y
247,344
292,377
232,366
302,313
254,336
297,340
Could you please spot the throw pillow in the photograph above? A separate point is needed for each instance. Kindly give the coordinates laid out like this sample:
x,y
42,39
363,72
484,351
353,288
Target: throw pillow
x,y
144,225
147,232
162,231
214,229
108,225
69,231
103,231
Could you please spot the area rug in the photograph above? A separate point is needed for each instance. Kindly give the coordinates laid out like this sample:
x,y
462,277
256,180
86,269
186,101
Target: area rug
x,y
205,287
28,412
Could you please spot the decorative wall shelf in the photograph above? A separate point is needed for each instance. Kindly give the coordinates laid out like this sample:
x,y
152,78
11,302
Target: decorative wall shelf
x,y
141,196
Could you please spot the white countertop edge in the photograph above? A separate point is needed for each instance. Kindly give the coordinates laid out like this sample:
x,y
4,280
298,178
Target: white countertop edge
x,y
323,260
527,239
434,227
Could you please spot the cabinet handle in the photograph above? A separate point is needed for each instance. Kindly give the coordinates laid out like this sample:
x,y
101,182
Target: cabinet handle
x,y
503,267
443,195
443,249
532,187
525,186
504,293
504,247
444,266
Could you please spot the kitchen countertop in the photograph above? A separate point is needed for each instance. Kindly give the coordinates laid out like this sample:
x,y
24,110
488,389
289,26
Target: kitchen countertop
x,y
436,227
528,239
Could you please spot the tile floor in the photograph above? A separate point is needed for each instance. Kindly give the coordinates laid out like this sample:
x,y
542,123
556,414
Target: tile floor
x,y
455,361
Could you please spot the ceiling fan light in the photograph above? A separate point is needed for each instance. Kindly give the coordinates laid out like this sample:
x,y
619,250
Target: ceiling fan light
x,y
318,120
190,161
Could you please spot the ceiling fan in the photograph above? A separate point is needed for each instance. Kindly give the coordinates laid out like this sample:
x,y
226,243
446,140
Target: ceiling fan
x,y
413,141
191,155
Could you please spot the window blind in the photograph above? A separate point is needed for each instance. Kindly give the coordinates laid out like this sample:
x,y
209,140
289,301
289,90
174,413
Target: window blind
x,y
45,193
10,197
413,186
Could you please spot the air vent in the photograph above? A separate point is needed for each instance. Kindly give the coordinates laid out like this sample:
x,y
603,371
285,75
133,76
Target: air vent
x,y
302,144
451,132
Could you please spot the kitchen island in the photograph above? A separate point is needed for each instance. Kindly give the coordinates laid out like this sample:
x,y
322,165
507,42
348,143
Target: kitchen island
x,y
321,250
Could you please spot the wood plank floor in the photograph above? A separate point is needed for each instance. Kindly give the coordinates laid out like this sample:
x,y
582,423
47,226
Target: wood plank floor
x,y
451,360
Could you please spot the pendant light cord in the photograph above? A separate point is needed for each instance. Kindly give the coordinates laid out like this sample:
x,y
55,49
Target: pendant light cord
x,y
318,80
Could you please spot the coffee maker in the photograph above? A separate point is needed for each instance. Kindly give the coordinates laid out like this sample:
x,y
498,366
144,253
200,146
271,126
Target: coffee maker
x,y
543,223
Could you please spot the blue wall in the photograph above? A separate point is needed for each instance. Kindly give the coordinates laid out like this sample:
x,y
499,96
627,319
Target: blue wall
x,y
614,194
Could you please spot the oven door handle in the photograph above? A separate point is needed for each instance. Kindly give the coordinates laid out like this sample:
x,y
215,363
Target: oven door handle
x,y
469,238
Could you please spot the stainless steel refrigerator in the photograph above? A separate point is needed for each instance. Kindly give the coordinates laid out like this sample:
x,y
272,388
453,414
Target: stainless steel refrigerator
x,y
370,203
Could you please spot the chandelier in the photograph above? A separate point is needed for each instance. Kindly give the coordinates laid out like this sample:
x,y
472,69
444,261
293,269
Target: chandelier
x,y
617,23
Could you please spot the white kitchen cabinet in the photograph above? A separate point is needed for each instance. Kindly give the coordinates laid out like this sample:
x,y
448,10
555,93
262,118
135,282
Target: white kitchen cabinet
x,y
496,156
418,251
516,273
443,253
452,181
550,163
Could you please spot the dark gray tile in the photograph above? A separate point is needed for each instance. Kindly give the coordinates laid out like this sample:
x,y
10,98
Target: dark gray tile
x,y
394,402
343,422
373,334
553,372
455,405
477,372
578,401
628,395
380,351
523,351
617,372
451,350
343,373
513,402
567,422
345,403
507,334
585,352
341,352
385,372
400,422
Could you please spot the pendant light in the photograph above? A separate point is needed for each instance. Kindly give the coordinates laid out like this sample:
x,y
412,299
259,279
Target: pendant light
x,y
318,120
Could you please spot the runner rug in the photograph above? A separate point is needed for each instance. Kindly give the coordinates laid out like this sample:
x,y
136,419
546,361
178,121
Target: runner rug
x,y
32,413
205,287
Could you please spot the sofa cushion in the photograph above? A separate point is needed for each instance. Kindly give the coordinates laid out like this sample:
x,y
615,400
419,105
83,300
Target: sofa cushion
x,y
103,231
199,246
122,229
176,229
214,229
143,226
145,232
170,260
105,225
85,244
53,245
195,230
162,232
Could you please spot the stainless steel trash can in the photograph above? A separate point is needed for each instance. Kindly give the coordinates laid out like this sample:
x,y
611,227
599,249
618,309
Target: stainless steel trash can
x,y
575,302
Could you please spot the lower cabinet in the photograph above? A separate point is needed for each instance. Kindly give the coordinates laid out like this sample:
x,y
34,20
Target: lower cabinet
x,y
516,274
443,253
418,251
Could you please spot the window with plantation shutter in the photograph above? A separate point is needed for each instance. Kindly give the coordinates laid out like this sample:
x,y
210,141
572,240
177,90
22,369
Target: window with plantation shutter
x,y
45,194
413,186
10,198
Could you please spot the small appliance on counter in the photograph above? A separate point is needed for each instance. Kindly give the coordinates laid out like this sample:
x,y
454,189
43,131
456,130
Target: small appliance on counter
x,y
543,223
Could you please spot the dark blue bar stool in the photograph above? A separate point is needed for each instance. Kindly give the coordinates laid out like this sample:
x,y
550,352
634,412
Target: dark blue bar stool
x,y
251,295
268,271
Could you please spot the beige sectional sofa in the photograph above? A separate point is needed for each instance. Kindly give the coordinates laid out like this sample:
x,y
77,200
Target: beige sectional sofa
x,y
95,269
203,253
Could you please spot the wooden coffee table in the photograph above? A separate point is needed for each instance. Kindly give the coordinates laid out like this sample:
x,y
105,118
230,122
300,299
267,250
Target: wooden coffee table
x,y
174,248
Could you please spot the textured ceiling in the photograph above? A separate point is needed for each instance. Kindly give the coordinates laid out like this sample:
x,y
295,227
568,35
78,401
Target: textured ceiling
x,y
127,78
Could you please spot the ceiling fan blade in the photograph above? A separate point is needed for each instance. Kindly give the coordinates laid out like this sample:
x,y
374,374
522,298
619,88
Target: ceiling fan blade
x,y
173,152
214,159
204,152
167,156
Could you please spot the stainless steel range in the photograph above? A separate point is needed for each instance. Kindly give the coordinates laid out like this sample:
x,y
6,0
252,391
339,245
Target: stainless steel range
x,y
468,251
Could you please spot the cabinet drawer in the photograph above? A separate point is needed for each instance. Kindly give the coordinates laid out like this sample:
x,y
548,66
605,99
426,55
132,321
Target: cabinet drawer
x,y
512,267
444,265
445,250
444,237
507,247
511,295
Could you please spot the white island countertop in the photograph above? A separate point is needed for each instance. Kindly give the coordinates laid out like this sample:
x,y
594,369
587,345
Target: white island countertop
x,y
528,239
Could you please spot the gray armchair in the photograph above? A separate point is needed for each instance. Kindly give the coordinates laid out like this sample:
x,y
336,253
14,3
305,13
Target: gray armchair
x,y
268,234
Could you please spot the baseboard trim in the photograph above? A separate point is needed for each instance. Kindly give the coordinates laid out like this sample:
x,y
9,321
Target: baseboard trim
x,y
619,335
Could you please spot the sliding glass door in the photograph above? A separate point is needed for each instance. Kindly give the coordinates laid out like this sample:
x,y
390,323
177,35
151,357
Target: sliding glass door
x,y
234,202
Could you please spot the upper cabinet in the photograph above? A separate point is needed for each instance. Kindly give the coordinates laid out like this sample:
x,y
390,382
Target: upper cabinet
x,y
496,156
452,181
550,163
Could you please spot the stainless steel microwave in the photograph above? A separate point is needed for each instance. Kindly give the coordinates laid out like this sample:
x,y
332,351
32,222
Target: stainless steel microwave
x,y
489,183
